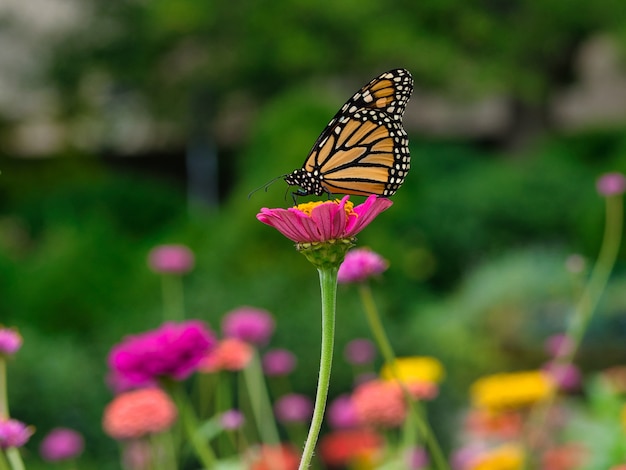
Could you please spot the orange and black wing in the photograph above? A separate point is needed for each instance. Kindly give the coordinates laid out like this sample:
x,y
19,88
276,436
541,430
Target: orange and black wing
x,y
364,149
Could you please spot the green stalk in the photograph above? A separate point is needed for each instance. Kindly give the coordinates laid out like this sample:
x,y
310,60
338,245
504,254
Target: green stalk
x,y
4,465
415,409
328,285
173,297
15,459
4,399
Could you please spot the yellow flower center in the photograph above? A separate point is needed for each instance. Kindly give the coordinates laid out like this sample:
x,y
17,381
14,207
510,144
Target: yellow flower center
x,y
308,207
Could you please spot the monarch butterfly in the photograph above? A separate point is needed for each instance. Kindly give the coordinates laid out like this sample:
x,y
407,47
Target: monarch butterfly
x,y
364,149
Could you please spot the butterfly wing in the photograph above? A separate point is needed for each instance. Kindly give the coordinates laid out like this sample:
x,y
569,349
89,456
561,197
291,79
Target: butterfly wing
x,y
364,148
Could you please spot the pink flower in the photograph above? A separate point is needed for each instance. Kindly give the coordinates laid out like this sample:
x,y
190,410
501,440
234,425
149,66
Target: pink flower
x,y
324,221
230,354
250,324
293,408
611,184
360,264
173,350
416,458
558,345
232,419
14,433
342,414
380,403
10,341
360,351
61,444
278,362
171,259
566,376
139,412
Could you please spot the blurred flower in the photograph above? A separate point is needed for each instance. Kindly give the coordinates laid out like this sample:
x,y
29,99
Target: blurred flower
x,y
380,403
619,467
511,390
575,263
422,390
137,455
568,456
360,264
342,414
567,377
293,408
487,424
504,457
341,448
416,458
171,259
414,369
611,184
322,221
61,444
274,457
231,419
558,345
360,351
139,412
250,324
174,350
230,354
10,341
278,362
615,377
14,433
465,457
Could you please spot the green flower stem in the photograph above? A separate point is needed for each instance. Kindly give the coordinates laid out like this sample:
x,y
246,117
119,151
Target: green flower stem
x,y
4,399
328,285
173,297
260,401
4,465
416,411
15,459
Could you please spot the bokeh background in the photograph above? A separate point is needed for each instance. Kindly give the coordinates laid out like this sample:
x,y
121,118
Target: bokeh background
x,y
128,124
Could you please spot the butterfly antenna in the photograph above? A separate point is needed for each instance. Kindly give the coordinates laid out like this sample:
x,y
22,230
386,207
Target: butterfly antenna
x,y
266,186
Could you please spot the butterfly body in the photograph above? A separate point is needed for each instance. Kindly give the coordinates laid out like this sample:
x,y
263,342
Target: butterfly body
x,y
364,149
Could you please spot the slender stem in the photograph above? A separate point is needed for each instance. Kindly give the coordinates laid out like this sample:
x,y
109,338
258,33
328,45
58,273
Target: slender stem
x,y
4,465
4,399
15,459
415,408
328,285
173,297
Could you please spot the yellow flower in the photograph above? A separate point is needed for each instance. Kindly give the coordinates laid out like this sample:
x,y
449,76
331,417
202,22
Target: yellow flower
x,y
414,369
511,390
505,457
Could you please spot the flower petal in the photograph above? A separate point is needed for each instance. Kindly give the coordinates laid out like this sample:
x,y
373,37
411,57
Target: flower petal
x,y
366,212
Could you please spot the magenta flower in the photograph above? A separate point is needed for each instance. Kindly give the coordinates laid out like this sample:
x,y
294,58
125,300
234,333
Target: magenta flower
x,y
61,444
323,221
293,408
360,351
360,264
174,350
231,420
250,324
278,362
14,433
416,458
171,259
566,376
611,184
10,341
342,414
558,345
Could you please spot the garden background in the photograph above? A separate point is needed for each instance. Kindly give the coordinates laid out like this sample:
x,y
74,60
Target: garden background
x,y
124,125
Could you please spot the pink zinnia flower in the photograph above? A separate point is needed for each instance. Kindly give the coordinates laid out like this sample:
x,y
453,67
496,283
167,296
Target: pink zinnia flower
x,y
342,414
360,351
566,376
380,403
416,458
14,433
278,362
232,419
61,444
10,341
360,264
250,324
293,408
171,259
139,412
341,448
230,354
174,350
274,457
324,221
611,184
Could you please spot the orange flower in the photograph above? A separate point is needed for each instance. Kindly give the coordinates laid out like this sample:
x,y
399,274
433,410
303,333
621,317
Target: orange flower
x,y
379,403
274,457
340,448
137,413
230,354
